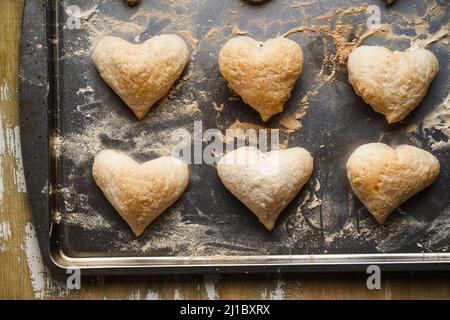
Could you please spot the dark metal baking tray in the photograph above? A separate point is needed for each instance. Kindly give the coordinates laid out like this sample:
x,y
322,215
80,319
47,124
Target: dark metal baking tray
x,y
68,114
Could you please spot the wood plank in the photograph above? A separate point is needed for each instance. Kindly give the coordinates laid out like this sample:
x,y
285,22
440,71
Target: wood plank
x,y
14,212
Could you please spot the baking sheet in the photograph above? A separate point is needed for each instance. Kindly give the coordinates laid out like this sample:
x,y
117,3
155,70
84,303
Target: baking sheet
x,y
324,115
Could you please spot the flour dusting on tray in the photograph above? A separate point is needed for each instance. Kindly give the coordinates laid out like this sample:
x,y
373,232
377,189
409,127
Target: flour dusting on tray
x,y
323,115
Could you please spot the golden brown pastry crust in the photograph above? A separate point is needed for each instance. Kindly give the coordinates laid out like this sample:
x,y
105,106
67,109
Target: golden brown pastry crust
x,y
265,182
262,73
141,74
139,192
383,177
392,82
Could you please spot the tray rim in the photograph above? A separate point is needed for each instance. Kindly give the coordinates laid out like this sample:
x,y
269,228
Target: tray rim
x,y
59,263
62,264
274,260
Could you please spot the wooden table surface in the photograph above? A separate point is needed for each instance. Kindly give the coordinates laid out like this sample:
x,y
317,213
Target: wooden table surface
x,y
23,275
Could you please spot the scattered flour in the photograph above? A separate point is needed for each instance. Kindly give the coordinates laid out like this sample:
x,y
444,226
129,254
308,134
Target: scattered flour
x,y
107,129
439,120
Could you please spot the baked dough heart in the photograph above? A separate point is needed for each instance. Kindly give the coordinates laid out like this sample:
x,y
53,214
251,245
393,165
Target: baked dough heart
x,y
141,74
139,192
265,182
383,177
262,73
392,83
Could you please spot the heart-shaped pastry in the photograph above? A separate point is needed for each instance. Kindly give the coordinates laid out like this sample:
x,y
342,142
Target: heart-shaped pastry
x,y
139,192
392,83
383,177
265,182
262,73
141,74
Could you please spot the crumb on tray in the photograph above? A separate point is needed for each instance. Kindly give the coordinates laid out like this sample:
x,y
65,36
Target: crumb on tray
x,y
132,2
